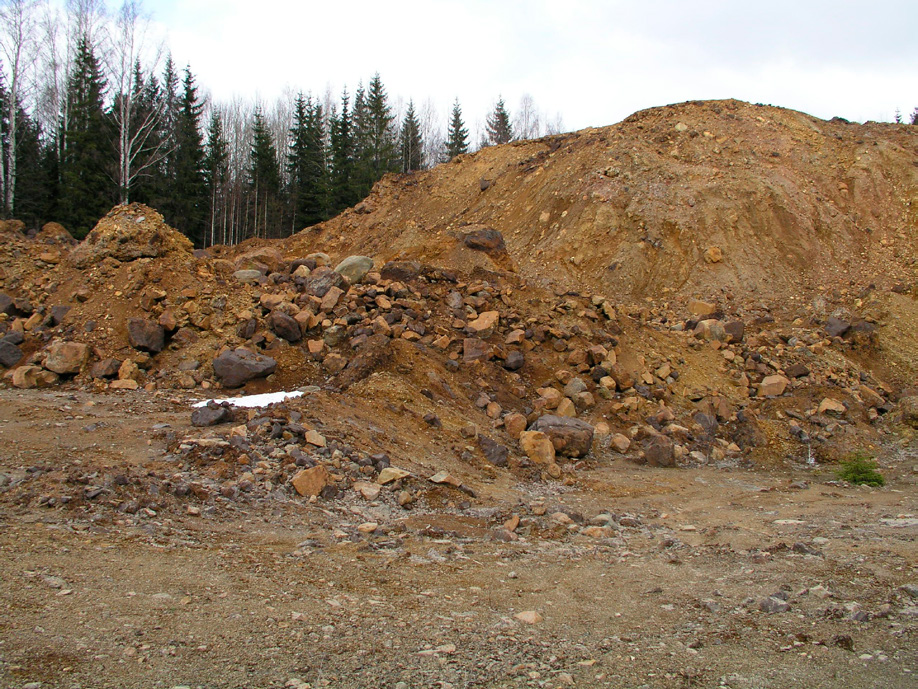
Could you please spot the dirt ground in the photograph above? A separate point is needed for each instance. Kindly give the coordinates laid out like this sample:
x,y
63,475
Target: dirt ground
x,y
670,589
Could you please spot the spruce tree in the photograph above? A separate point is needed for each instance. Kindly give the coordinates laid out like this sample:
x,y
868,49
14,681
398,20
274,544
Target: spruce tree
x,y
915,116
188,208
87,191
216,175
411,146
499,129
342,185
264,178
306,163
457,138
377,140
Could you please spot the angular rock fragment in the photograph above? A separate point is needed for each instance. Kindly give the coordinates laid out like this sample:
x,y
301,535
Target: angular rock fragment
x,y
146,335
570,437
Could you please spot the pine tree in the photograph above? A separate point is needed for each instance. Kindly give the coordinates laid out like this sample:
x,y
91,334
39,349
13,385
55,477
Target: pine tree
x,y
264,178
87,191
216,175
457,141
411,145
188,209
342,185
499,130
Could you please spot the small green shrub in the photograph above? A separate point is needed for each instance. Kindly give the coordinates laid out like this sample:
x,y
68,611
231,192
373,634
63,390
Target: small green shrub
x,y
860,469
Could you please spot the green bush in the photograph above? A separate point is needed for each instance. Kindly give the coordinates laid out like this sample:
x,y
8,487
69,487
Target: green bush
x,y
860,469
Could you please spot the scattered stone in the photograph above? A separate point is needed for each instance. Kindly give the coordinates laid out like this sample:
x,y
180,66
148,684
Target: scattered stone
x,y
620,442
484,325
27,377
830,406
391,474
310,482
284,326
714,254
368,491
772,605
701,308
773,386
529,617
797,371
515,424
835,327
248,276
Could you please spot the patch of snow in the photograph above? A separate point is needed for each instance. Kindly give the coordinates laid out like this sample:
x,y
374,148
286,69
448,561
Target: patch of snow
x,y
262,400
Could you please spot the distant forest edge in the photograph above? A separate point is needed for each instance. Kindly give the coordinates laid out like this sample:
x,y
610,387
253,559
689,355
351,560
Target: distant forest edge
x,y
93,115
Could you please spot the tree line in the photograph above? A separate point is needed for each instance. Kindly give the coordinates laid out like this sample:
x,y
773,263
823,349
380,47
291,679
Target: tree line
x,y
93,113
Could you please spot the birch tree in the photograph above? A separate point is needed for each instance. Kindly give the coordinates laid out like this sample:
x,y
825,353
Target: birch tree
x,y
17,43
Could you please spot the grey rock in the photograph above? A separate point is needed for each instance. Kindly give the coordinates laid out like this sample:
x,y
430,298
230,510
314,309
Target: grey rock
x,y
146,335
237,367
10,354
355,268
772,605
835,327
484,239
284,326
322,279
212,414
248,276
574,387
493,451
515,360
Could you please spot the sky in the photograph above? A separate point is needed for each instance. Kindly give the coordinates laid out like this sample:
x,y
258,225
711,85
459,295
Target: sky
x,y
593,61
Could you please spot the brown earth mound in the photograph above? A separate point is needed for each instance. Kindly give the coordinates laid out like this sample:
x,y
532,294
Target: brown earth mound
x,y
128,233
700,197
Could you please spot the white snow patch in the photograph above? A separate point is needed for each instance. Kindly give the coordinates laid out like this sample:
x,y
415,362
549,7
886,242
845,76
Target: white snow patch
x,y
255,400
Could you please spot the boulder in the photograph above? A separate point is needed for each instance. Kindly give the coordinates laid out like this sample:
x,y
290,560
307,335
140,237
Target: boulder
x,y
711,329
735,331
58,313
484,325
10,354
659,451
311,482
515,424
355,268
322,279
6,305
235,368
212,414
248,276
401,270
493,451
570,437
830,406
701,309
107,368
538,447
797,371
475,349
27,377
66,358
372,354
127,233
284,326
515,360
773,386
263,259
146,335
836,327
484,239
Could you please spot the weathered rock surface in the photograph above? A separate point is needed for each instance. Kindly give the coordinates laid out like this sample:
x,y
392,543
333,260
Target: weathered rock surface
x,y
146,335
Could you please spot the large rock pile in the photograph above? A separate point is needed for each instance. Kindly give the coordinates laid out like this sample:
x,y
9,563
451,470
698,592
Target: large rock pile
x,y
128,233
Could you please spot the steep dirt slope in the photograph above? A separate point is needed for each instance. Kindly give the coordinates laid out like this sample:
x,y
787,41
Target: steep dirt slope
x,y
794,205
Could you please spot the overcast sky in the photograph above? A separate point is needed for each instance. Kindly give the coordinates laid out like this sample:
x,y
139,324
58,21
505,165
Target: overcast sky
x,y
593,61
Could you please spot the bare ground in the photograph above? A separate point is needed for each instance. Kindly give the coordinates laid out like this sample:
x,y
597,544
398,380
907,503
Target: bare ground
x,y
281,592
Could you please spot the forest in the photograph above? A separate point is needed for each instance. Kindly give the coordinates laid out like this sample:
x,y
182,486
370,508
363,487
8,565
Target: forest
x,y
93,112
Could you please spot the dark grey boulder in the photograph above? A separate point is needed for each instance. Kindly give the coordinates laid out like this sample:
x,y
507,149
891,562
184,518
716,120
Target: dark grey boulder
x,y
146,335
236,367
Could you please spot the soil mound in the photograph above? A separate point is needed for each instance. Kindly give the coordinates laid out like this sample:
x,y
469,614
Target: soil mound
x,y
700,197
127,233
